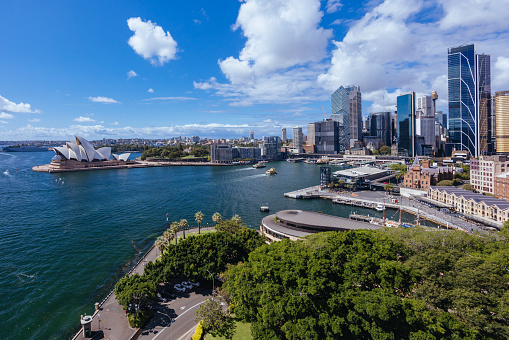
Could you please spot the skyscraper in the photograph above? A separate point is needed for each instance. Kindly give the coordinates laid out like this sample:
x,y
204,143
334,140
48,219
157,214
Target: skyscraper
x,y
380,126
251,135
469,87
297,139
347,101
425,120
340,112
406,124
283,135
502,117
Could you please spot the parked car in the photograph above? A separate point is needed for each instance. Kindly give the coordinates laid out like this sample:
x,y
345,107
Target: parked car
x,y
187,285
179,288
195,284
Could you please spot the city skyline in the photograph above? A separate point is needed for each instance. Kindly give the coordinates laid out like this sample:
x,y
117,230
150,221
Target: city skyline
x,y
124,70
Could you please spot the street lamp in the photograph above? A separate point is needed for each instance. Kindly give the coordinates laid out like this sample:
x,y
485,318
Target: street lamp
x,y
212,281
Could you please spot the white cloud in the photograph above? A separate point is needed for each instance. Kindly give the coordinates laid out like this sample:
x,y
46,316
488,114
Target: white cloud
x,y
4,122
171,98
213,130
151,42
333,6
35,120
104,100
131,74
7,105
491,14
82,119
150,90
281,57
4,115
501,74
114,123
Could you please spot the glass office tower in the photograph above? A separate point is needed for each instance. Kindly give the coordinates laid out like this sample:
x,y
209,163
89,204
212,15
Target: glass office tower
x,y
340,112
469,86
406,124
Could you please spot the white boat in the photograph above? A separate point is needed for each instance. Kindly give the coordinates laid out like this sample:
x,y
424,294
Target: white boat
x,y
380,207
259,165
264,208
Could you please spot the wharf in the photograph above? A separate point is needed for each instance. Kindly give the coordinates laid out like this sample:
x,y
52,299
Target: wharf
x,y
311,192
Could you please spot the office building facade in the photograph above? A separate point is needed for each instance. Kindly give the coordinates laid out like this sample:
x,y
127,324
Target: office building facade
x,y
469,85
502,119
340,112
425,120
325,136
406,124
380,125
297,139
283,135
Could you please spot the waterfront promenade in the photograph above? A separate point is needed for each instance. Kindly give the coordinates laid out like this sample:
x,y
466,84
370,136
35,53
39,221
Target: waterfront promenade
x,y
407,205
110,321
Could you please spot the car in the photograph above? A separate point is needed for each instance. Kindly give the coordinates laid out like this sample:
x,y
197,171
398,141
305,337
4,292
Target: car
x,y
187,285
179,288
195,284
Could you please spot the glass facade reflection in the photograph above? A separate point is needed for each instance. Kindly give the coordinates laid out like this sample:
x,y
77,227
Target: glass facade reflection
x,y
406,123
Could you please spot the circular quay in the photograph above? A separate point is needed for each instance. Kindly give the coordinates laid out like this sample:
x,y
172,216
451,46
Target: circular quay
x,y
254,170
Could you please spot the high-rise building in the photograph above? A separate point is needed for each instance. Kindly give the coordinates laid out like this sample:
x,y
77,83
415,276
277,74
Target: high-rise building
x,y
406,124
311,134
381,127
325,136
469,86
494,122
251,135
297,139
271,148
340,112
283,135
502,117
347,101
425,120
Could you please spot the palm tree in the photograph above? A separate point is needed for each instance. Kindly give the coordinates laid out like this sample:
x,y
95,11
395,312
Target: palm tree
x,y
183,226
175,227
237,219
161,243
169,235
199,219
217,218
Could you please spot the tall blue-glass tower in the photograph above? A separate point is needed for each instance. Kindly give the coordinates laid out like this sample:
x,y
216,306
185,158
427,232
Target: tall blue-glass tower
x,y
406,124
469,87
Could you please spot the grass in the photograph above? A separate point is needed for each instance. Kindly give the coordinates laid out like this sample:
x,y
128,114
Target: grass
x,y
242,332
195,233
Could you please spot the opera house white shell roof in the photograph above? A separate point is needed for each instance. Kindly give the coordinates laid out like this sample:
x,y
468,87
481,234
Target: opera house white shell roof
x,y
81,150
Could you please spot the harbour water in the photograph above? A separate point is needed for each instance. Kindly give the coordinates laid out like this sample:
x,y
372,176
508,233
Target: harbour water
x,y
67,238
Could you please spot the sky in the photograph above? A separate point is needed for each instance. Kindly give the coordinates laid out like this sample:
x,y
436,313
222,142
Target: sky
x,y
160,69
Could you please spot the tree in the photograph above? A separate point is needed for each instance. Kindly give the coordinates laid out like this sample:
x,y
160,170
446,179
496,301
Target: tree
x,y
230,226
161,243
169,235
135,289
217,218
445,183
389,187
199,219
215,320
385,150
183,225
236,218
175,226
376,152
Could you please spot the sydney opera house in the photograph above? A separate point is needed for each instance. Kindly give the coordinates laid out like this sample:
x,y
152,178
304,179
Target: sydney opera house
x,y
79,154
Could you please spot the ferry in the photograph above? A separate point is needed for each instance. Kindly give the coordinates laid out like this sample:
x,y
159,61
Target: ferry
x,y
310,161
271,171
259,165
323,160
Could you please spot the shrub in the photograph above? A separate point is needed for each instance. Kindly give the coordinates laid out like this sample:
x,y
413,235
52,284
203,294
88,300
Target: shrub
x,y
140,319
198,333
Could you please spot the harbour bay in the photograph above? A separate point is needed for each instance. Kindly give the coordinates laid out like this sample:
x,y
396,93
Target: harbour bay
x,y
67,238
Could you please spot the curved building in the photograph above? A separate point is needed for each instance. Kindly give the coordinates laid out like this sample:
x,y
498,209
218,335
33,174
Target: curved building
x,y
296,224
80,154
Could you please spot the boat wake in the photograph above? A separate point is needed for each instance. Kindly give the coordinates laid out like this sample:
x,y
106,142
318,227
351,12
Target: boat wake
x,y
243,169
7,173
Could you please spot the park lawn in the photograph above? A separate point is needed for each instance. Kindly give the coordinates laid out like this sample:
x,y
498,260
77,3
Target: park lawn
x,y
242,332
195,233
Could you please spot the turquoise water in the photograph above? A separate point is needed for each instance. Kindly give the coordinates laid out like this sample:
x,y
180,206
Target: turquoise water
x,y
67,238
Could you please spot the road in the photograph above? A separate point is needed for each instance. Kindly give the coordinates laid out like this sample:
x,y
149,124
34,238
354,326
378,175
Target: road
x,y
182,310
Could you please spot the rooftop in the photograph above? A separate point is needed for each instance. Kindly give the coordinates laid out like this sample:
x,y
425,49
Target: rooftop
x,y
468,195
359,172
309,218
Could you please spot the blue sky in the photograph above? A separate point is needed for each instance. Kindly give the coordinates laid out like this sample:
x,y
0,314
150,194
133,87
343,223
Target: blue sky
x,y
160,69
